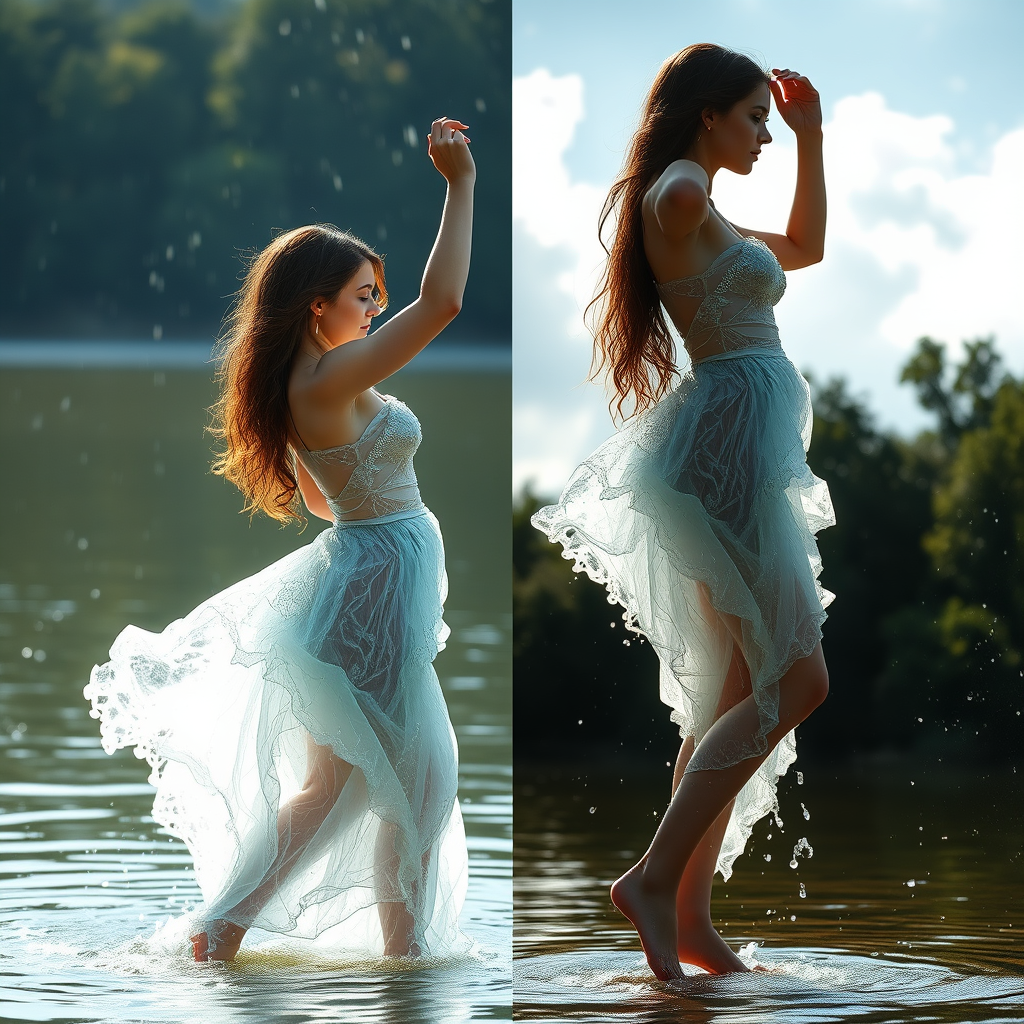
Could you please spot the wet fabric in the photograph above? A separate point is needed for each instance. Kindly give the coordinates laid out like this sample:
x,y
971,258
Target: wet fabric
x,y
700,516
328,650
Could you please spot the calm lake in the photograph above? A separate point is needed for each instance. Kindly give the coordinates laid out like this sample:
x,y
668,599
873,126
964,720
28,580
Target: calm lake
x,y
909,908
111,517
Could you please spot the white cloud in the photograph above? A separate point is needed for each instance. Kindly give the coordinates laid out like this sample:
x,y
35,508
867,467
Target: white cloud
x,y
914,247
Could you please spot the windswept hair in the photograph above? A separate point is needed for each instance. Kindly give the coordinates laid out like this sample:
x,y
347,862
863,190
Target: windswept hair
x,y
632,343
262,332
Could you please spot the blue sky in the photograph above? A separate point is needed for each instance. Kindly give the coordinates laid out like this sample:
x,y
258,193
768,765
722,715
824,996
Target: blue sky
x,y
924,142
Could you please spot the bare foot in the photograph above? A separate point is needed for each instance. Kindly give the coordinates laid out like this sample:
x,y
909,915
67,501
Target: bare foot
x,y
653,915
220,941
700,944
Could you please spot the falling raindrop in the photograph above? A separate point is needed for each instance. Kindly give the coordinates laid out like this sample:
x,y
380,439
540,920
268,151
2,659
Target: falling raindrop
x,y
767,856
799,778
803,891
807,813
592,809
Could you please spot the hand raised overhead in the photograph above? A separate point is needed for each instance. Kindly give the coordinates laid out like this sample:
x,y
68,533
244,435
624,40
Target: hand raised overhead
x,y
796,99
448,148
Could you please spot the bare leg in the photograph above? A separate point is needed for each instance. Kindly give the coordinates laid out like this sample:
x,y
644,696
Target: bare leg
x,y
297,823
698,941
647,893
396,921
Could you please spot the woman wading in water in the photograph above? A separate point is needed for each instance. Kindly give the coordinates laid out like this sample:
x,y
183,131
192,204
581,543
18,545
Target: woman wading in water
x,y
299,740
700,514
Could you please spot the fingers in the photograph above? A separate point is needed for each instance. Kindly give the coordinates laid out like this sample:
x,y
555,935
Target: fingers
x,y
446,129
791,82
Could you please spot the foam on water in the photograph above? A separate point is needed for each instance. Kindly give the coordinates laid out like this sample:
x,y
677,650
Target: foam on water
x,y
810,984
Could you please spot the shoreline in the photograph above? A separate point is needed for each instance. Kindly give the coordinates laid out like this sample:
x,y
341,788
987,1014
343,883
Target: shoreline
x,y
451,357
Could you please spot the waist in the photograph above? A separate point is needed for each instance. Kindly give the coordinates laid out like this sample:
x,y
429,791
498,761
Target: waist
x,y
391,517
750,352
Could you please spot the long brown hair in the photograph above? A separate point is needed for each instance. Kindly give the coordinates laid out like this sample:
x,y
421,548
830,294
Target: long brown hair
x,y
262,333
632,343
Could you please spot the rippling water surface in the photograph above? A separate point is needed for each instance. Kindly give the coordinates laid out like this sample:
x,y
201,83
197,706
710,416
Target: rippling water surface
x,y
910,908
109,517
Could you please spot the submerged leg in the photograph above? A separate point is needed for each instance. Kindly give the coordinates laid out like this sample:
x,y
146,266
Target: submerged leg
x,y
646,894
297,822
396,920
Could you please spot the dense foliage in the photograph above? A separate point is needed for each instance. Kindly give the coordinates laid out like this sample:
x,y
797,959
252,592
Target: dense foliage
x,y
924,641
145,152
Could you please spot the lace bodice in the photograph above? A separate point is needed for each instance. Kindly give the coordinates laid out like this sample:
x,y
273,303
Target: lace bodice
x,y
382,480
738,292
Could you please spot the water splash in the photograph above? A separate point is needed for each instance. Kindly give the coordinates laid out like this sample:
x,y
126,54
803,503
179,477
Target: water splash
x,y
802,849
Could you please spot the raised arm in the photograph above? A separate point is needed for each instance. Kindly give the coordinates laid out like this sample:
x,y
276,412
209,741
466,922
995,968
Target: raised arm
x,y
349,369
804,241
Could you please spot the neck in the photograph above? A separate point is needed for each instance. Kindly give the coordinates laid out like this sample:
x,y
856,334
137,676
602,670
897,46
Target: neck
x,y
699,154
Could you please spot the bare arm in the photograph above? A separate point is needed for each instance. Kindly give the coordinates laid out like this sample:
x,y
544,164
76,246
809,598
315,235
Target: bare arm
x,y
349,369
678,200
804,240
312,496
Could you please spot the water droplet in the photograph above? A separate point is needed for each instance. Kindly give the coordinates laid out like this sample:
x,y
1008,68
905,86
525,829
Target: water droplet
x,y
94,593
803,891
807,813
65,404
592,809
799,778
793,863
26,652
792,917
911,883
767,856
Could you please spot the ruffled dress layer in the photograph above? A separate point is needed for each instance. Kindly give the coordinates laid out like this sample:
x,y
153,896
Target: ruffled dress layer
x,y
700,518
331,645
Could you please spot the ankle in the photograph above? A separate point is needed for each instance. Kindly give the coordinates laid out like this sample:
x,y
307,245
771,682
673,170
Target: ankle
x,y
693,920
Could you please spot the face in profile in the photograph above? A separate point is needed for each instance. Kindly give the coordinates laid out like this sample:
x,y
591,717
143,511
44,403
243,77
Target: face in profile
x,y
735,138
348,316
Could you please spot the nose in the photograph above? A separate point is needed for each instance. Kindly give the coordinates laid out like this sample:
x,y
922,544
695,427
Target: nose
x,y
374,308
766,137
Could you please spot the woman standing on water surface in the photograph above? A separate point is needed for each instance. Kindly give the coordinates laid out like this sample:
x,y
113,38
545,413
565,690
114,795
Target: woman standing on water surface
x,y
298,736
699,515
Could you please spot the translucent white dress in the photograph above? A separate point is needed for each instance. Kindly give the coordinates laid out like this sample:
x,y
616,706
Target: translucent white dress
x,y
700,516
334,642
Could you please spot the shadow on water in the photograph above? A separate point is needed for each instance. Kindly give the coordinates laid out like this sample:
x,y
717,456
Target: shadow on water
x,y
910,905
110,518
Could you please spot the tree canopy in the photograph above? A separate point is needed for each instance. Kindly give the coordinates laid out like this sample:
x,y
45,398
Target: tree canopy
x,y
147,152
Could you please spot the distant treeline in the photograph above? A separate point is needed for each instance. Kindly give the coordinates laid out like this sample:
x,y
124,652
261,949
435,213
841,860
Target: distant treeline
x,y
924,642
143,153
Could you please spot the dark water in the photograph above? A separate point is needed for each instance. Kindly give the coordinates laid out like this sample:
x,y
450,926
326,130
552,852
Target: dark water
x,y
109,517
913,907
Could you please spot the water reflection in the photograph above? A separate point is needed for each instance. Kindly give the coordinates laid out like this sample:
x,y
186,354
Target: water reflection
x,y
912,905
114,519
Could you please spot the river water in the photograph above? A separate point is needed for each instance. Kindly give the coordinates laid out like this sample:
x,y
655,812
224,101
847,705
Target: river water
x,y
110,517
910,907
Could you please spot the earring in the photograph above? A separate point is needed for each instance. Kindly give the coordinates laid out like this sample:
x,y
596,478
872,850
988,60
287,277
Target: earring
x,y
317,327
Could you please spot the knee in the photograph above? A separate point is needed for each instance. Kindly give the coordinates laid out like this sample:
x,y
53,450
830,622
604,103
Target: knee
x,y
325,782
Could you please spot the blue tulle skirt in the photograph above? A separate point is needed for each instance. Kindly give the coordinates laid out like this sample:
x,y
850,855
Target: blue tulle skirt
x,y
331,645
700,518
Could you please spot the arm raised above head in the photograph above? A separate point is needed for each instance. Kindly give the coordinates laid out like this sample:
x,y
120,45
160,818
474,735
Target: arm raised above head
x,y
351,368
803,244
678,200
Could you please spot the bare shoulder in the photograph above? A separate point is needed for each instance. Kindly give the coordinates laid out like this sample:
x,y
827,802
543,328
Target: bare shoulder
x,y
677,201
